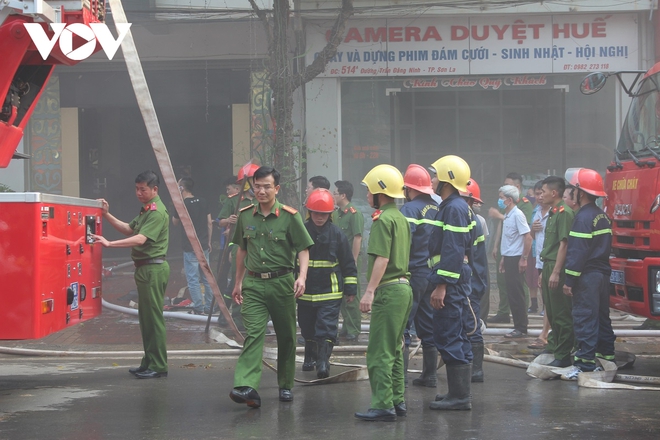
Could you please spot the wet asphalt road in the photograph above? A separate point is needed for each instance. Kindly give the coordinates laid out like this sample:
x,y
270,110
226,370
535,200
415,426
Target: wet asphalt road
x,y
98,399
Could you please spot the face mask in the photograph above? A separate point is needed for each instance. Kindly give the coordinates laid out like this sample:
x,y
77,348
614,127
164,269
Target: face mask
x,y
500,204
438,189
476,208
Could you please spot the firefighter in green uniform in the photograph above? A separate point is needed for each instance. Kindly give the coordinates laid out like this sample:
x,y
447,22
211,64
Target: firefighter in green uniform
x,y
351,222
388,295
148,235
558,307
270,236
502,315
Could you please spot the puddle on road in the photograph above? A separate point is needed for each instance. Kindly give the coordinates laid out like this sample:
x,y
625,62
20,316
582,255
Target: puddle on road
x,y
41,399
36,369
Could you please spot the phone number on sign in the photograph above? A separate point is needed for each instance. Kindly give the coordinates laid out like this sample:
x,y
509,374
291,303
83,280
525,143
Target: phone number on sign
x,y
603,66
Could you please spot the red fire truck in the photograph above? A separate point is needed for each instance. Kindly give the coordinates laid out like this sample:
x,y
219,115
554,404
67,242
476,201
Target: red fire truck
x,y
632,184
50,270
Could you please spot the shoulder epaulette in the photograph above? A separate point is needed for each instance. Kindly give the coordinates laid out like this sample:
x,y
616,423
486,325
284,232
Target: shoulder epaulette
x,y
153,207
561,209
289,209
525,199
376,214
233,195
245,208
353,210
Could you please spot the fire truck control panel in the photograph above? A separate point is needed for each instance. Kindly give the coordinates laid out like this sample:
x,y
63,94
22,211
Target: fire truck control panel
x,y
51,268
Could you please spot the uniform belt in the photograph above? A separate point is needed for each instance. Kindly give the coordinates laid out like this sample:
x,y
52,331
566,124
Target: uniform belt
x,y
140,263
269,275
397,281
436,259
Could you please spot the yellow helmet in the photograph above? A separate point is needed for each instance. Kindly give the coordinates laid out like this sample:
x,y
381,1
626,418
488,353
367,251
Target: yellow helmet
x,y
384,179
453,170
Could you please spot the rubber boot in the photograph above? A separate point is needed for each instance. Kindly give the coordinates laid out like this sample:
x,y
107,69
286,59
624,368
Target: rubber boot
x,y
458,381
310,355
406,359
477,362
323,364
429,377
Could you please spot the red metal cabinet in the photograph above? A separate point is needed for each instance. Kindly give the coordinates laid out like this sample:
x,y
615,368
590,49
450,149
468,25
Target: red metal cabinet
x,y
50,270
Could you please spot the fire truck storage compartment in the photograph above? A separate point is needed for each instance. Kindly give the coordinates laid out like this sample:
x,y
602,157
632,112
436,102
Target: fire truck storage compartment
x,y
50,268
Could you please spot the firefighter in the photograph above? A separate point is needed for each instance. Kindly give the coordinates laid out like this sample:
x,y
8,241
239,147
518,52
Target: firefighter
x,y
388,295
450,250
269,235
588,274
478,283
420,210
332,275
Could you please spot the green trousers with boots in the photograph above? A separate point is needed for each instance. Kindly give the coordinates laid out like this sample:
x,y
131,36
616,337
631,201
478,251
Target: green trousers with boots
x,y
309,363
477,362
323,361
459,377
429,376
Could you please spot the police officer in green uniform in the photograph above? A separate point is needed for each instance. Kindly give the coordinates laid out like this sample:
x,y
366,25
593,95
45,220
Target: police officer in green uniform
x,y
148,235
350,221
558,307
388,295
270,236
502,315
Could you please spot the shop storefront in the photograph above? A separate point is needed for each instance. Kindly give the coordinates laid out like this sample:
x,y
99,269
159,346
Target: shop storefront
x,y
500,91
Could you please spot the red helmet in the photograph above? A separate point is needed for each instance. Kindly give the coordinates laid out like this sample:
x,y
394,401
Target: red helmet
x,y
587,180
250,168
320,200
418,178
473,191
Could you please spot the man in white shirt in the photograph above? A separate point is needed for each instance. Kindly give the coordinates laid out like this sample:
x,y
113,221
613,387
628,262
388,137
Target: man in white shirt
x,y
515,246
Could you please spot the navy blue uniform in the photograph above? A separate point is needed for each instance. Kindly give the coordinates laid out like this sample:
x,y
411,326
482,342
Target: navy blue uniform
x,y
332,274
450,249
588,274
420,214
478,283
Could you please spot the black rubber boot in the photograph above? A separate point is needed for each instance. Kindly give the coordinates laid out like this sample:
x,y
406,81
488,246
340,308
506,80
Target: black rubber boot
x,y
429,377
477,362
406,359
323,363
310,355
458,381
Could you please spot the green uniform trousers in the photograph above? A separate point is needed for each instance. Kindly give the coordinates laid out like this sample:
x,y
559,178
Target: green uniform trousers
x,y
262,298
389,315
503,308
151,281
558,309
